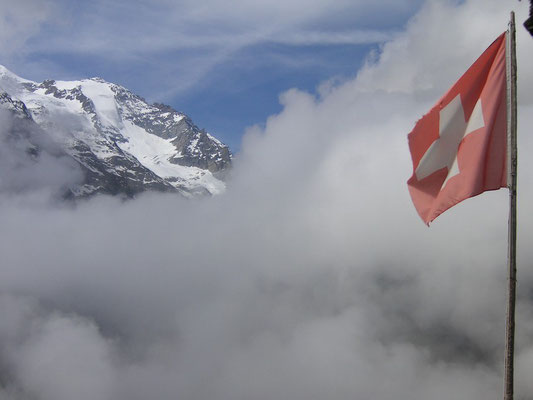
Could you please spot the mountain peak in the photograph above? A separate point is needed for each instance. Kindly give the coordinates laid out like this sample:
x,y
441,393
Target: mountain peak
x,y
124,144
5,71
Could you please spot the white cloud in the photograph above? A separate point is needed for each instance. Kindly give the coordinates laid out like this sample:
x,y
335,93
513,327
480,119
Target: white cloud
x,y
311,278
186,40
30,161
22,20
137,27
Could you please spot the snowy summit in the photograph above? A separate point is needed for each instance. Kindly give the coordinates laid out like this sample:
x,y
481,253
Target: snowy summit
x,y
122,144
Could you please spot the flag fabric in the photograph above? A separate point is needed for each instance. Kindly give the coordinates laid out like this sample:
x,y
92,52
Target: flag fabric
x,y
459,148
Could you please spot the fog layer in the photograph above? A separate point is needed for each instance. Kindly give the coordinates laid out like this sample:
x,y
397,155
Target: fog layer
x,y
311,278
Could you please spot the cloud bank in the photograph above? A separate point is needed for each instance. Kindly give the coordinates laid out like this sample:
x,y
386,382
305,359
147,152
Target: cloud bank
x,y
311,278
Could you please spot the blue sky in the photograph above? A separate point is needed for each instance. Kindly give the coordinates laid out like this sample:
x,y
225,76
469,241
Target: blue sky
x,y
223,65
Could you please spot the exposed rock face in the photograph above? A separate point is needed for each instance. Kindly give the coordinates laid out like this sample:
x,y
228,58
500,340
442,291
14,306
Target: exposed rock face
x,y
122,144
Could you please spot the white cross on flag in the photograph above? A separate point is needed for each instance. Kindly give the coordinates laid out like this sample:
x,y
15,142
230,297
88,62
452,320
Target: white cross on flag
x,y
459,148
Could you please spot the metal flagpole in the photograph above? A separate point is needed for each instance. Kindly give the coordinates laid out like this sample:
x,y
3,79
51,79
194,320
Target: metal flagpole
x,y
511,182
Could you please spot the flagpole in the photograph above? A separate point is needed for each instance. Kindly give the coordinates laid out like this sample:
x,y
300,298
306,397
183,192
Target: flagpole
x,y
511,182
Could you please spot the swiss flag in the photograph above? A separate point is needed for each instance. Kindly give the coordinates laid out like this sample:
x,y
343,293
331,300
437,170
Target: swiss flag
x,y
459,148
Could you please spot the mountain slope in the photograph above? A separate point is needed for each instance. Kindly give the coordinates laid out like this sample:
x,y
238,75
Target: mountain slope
x,y
122,144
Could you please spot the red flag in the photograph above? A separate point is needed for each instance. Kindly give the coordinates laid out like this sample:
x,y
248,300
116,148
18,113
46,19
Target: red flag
x,y
459,148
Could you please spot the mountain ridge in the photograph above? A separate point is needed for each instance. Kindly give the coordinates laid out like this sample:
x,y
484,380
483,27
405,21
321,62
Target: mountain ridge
x,y
123,144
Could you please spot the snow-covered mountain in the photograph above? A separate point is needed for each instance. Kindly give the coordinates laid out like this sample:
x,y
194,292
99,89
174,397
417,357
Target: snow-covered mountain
x,y
122,144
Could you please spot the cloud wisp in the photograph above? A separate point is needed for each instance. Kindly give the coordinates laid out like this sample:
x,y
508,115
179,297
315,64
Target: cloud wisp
x,y
311,278
182,41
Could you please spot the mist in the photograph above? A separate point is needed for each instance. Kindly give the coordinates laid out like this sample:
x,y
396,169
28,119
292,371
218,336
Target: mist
x,y
312,277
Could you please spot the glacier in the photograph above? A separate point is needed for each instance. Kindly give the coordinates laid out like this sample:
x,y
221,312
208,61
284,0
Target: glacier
x,y
123,144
